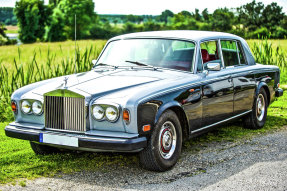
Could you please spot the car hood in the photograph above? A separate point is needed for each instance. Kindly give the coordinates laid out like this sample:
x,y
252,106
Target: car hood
x,y
96,82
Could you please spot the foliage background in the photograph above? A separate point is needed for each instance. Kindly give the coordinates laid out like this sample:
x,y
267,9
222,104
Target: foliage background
x,y
55,21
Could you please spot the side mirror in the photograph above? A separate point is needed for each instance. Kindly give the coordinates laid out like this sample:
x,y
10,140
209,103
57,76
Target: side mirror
x,y
94,62
213,66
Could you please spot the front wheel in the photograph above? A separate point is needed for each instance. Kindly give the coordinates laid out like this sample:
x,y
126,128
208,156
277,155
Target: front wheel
x,y
164,145
256,119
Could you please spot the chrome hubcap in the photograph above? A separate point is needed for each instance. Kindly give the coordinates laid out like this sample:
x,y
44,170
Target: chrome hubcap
x,y
167,140
260,110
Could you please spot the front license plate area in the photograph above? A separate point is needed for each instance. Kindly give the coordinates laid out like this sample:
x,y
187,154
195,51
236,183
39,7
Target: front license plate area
x,y
59,140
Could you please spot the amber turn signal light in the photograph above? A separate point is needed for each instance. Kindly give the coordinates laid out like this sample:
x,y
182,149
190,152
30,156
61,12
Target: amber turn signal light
x,y
146,128
126,115
14,106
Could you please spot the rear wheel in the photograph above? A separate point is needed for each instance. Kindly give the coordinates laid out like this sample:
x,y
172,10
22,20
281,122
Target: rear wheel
x,y
256,119
164,145
40,149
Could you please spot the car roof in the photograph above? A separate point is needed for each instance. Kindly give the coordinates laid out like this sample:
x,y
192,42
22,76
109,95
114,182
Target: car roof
x,y
193,35
180,34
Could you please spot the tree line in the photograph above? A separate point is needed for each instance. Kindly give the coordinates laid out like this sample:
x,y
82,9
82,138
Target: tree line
x,y
55,21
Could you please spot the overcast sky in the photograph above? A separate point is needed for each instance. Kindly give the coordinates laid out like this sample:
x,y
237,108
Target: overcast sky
x,y
155,7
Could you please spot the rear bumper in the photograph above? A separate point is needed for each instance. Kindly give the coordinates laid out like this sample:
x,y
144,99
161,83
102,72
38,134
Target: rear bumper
x,y
279,92
83,141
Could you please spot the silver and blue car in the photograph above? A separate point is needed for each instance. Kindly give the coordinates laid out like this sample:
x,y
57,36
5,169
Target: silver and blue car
x,y
147,93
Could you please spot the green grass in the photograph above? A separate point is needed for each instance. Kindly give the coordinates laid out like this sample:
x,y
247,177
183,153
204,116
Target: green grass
x,y
18,161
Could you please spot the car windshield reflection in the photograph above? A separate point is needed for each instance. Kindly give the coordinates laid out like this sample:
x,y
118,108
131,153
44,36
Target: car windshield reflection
x,y
165,53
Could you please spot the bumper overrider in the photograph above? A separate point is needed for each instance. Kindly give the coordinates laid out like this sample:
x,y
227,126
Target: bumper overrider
x,y
76,141
279,92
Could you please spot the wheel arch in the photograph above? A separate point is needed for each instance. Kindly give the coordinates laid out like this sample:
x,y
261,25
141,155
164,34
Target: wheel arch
x,y
179,111
266,89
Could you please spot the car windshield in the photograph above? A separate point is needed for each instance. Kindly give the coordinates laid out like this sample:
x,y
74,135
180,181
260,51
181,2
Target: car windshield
x,y
174,54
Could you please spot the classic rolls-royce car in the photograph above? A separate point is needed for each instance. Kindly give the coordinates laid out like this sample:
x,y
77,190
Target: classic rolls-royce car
x,y
147,93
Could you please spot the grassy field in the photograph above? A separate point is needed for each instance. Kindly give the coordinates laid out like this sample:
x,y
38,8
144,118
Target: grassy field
x,y
18,162
12,29
60,50
275,43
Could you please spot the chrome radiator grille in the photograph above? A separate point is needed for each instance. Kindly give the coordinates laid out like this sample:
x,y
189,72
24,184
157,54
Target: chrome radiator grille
x,y
65,113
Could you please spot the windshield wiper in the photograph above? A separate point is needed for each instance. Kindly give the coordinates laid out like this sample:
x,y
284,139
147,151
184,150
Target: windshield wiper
x,y
141,64
103,64
137,63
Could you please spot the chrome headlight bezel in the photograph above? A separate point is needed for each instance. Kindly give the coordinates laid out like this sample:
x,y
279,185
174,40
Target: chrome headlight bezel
x,y
105,107
31,111
117,113
28,103
92,112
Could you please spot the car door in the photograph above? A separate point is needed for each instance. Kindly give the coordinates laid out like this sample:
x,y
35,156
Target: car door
x,y
217,87
243,78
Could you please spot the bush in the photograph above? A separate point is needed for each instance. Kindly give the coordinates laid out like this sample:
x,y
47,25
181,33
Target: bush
x,y
279,33
259,33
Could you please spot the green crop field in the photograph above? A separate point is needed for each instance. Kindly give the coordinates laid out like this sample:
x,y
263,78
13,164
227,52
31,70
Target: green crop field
x,y
61,50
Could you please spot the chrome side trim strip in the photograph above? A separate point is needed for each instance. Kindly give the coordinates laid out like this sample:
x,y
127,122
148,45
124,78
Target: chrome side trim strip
x,y
206,127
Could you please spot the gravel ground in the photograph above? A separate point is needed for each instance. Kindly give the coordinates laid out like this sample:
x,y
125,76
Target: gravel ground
x,y
256,164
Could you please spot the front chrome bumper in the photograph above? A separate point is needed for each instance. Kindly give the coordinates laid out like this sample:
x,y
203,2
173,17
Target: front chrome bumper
x,y
84,141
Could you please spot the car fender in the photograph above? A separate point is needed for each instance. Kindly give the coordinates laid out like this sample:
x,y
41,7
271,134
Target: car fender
x,y
265,86
164,107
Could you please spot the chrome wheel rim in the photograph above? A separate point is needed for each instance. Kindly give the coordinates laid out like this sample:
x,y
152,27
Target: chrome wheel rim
x,y
167,140
260,110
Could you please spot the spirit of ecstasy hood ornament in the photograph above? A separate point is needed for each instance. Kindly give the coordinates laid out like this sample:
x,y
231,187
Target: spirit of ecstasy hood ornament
x,y
66,80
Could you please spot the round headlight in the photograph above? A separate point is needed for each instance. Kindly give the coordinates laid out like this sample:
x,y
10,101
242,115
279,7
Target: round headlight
x,y
112,114
26,107
98,112
37,107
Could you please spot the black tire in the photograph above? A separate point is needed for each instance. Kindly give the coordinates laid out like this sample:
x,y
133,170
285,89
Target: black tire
x,y
162,151
256,119
40,149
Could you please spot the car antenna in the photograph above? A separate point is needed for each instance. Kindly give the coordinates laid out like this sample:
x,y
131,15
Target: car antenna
x,y
75,43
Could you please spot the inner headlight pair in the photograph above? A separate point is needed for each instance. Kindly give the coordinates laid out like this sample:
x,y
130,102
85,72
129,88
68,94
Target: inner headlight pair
x,y
34,106
101,111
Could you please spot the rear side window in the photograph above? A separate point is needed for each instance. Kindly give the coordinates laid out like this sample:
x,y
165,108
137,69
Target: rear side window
x,y
232,53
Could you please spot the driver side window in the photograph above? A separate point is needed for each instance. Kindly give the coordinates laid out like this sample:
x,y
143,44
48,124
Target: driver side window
x,y
209,53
